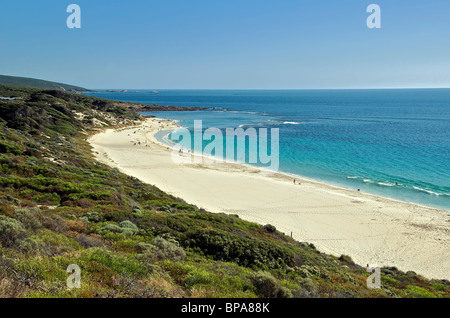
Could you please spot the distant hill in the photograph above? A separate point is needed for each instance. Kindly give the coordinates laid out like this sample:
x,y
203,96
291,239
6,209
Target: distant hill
x,y
37,83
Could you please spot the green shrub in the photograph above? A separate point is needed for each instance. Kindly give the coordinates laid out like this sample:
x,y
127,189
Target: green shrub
x,y
47,198
10,286
54,222
93,216
118,263
166,249
270,228
6,209
199,277
128,227
9,148
390,281
11,231
90,241
308,287
111,228
284,292
311,270
51,243
266,285
125,227
28,218
419,292
244,251
136,209
46,272
345,259
440,286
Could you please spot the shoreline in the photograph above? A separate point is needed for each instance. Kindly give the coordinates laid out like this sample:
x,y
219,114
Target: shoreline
x,y
297,176
337,220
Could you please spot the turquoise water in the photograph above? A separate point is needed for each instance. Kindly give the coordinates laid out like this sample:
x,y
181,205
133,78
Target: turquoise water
x,y
394,143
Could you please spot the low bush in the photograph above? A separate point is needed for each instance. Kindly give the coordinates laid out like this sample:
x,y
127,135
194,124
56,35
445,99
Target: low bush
x,y
51,243
128,227
11,231
270,228
419,292
245,251
6,209
110,227
28,217
345,259
167,249
88,241
267,286
118,263
199,277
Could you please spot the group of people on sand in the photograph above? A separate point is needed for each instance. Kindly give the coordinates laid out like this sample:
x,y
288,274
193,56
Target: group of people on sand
x,y
138,143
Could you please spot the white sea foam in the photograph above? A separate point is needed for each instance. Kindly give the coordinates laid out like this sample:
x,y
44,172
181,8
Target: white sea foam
x,y
428,191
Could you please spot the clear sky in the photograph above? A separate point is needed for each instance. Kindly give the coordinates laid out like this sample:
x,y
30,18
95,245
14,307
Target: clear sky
x,y
230,44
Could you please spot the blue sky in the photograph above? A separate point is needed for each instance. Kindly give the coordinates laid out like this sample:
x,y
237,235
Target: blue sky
x,y
229,44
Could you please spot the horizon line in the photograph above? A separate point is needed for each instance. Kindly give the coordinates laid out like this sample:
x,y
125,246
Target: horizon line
x,y
274,89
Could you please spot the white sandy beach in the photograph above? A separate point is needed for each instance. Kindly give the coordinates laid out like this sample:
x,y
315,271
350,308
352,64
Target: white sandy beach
x,y
370,229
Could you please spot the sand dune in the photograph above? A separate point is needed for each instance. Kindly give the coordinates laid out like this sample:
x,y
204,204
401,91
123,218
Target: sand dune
x,y
371,229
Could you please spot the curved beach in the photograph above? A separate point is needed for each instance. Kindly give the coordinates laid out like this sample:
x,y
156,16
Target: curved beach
x,y
370,229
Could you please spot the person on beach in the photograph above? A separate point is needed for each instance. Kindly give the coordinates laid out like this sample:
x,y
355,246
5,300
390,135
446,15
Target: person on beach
x,y
294,181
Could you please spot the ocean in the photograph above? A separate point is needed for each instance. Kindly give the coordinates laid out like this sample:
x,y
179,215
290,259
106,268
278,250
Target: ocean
x,y
389,142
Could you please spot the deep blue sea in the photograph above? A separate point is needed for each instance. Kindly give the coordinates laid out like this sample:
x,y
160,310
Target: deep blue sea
x,y
394,143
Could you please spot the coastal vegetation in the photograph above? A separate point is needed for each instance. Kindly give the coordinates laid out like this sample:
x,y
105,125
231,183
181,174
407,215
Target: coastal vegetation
x,y
58,206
